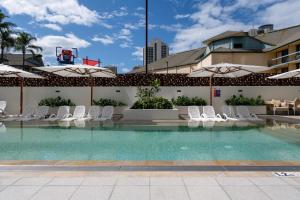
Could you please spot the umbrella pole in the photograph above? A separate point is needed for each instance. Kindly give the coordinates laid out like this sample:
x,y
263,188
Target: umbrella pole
x,y
21,95
210,89
92,90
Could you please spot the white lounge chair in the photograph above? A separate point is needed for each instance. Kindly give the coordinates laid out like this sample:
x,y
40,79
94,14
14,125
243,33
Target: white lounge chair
x,y
78,114
229,114
194,113
244,114
40,113
93,113
107,114
2,107
62,113
2,128
209,114
27,113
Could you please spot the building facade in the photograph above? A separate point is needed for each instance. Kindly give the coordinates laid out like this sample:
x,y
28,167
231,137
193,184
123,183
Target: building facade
x,y
156,51
277,49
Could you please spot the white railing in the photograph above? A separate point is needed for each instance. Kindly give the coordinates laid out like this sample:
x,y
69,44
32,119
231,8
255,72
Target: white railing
x,y
282,60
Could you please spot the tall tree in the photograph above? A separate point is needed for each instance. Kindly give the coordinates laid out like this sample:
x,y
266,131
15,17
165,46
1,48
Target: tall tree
x,y
24,43
6,41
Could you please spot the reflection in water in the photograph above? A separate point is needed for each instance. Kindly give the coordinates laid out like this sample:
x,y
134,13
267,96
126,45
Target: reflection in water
x,y
108,141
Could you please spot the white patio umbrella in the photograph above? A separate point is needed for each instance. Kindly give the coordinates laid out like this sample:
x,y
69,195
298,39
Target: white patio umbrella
x,y
79,71
226,70
11,72
290,74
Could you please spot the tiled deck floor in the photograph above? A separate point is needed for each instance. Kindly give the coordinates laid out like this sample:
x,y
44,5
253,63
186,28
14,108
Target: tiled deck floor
x,y
147,185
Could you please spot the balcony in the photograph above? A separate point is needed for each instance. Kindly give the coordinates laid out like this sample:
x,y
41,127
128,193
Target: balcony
x,y
285,60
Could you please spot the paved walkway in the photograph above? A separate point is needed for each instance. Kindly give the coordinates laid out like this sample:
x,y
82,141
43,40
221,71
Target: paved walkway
x,y
147,185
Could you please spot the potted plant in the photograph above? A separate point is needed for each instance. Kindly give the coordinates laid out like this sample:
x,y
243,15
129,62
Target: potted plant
x,y
118,105
182,103
149,106
54,103
255,105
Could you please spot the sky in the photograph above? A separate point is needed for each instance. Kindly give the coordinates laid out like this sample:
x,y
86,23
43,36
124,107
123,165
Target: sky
x,y
114,30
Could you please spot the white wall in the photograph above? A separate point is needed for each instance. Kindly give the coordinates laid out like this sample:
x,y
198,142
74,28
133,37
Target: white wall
x,y
81,95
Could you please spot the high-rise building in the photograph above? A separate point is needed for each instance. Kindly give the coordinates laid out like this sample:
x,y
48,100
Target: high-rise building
x,y
156,51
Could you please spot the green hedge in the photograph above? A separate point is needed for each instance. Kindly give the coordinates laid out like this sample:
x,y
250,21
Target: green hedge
x,y
108,102
186,101
153,103
245,101
56,102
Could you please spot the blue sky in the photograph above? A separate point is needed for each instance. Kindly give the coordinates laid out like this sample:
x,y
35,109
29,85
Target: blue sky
x,y
113,30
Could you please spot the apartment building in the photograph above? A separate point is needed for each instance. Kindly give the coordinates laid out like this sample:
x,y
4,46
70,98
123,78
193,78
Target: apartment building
x,y
277,49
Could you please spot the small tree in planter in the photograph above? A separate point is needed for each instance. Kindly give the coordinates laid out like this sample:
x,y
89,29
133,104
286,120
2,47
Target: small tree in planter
x,y
147,98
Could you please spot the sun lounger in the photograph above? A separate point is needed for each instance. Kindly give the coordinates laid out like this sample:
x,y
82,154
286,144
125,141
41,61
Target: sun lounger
x,y
78,114
93,113
244,114
107,113
229,114
209,114
2,127
2,107
27,113
40,113
194,113
62,113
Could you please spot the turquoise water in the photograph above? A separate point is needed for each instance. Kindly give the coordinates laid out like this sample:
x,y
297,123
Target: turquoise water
x,y
135,143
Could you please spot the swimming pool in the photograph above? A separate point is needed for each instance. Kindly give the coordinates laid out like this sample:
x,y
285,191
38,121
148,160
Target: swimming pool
x,y
149,143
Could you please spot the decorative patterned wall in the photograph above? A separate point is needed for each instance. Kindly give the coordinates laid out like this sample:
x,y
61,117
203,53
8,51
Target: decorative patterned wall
x,y
144,80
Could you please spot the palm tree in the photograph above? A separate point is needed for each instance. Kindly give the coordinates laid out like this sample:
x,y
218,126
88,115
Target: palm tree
x,y
5,26
24,44
6,40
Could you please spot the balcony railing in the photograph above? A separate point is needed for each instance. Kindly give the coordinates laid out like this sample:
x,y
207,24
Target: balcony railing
x,y
284,60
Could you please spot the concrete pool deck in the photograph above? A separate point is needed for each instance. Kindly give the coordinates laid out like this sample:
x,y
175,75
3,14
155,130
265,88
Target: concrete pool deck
x,y
34,185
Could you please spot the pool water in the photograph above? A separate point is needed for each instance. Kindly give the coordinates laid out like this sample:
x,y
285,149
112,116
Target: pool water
x,y
149,143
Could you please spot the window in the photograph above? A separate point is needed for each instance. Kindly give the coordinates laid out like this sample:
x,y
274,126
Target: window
x,y
284,56
298,52
283,70
237,45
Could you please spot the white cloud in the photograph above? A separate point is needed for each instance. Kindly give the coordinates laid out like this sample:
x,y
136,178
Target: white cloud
x,y
50,42
106,40
54,27
214,17
138,53
53,11
125,70
283,14
169,28
182,16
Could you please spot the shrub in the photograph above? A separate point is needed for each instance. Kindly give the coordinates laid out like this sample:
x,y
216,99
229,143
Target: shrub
x,y
186,101
147,98
244,101
108,102
56,102
153,103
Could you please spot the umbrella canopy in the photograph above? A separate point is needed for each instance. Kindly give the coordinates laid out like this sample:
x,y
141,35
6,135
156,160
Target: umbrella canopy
x,y
226,70
11,72
78,71
290,74
8,71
